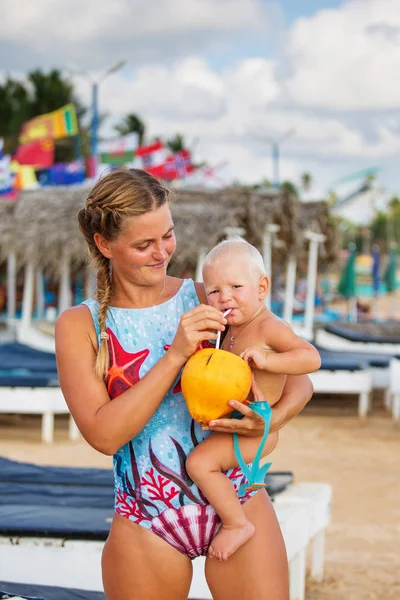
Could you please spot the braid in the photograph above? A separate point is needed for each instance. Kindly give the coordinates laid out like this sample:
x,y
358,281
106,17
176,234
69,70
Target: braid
x,y
104,292
122,194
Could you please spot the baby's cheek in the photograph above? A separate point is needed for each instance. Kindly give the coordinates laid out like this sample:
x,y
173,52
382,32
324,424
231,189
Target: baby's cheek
x,y
213,301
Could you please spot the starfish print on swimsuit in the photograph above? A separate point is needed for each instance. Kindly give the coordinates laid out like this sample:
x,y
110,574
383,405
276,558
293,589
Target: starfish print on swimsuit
x,y
124,368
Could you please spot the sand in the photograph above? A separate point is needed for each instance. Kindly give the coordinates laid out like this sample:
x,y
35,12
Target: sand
x,y
326,443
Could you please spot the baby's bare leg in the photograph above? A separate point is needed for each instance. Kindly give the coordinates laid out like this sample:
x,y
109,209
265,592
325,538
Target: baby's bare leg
x,y
205,465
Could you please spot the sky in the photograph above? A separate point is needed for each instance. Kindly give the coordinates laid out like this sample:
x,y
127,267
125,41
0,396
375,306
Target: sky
x,y
232,76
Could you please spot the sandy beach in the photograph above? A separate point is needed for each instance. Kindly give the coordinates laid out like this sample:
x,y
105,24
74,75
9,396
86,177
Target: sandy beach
x,y
326,443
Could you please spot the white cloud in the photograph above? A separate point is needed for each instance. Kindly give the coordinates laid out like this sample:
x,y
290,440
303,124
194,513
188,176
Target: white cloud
x,y
235,106
346,58
338,70
97,32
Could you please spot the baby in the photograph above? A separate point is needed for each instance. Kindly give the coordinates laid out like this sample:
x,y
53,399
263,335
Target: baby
x,y
234,278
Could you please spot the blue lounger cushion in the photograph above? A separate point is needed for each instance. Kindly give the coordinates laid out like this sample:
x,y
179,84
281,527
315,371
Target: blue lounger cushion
x,y
332,362
355,335
28,380
67,502
17,356
347,357
47,592
12,470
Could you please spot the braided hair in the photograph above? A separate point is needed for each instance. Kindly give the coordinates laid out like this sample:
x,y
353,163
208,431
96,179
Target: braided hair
x,y
121,194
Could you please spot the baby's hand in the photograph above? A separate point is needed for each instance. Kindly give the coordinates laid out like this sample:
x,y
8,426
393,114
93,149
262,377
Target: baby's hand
x,y
256,356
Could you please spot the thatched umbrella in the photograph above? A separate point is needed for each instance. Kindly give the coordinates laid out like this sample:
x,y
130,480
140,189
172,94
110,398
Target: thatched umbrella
x,y
316,216
7,233
198,228
41,228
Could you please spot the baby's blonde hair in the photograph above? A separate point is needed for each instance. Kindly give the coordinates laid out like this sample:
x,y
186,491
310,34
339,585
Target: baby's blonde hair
x,y
236,244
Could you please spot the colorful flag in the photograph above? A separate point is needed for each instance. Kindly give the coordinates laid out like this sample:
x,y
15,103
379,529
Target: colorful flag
x,y
119,151
6,177
38,154
151,158
62,173
57,124
178,166
376,280
25,177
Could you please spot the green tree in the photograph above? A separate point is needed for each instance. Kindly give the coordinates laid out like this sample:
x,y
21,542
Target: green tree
x,y
306,181
49,92
14,110
41,93
290,187
176,143
132,123
264,183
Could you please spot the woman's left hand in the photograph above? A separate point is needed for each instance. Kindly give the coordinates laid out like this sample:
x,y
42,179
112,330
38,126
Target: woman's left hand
x,y
252,425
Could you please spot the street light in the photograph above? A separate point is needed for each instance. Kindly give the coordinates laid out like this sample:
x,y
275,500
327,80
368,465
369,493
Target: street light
x,y
95,116
275,156
92,165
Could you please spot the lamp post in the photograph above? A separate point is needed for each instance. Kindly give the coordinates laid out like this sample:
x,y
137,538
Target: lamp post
x,y
95,116
276,156
92,164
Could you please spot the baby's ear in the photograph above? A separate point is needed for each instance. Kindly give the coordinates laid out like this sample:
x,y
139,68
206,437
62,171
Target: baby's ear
x,y
263,287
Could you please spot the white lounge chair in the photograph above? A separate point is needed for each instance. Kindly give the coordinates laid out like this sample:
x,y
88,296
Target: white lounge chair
x,y
382,359
393,393
342,374
37,400
29,385
47,544
58,561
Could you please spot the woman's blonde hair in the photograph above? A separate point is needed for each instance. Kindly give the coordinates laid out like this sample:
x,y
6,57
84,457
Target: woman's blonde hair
x,y
119,195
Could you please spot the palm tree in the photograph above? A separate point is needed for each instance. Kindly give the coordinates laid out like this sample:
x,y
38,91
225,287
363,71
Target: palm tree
x,y
177,143
14,110
132,123
21,101
49,92
306,181
290,188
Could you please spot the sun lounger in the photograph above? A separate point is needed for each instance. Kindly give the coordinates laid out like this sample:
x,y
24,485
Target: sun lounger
x,y
393,395
336,337
46,592
54,519
29,385
384,369
341,374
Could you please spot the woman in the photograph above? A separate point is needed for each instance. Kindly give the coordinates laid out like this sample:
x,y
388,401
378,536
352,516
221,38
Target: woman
x,y
119,361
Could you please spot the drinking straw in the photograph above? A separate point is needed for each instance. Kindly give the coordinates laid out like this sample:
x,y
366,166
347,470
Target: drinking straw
x,y
219,333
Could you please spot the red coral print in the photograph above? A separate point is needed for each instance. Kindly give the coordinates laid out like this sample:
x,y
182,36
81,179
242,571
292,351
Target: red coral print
x,y
158,488
125,366
237,473
127,507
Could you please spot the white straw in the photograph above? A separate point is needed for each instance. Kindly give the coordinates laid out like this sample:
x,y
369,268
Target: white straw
x,y
219,333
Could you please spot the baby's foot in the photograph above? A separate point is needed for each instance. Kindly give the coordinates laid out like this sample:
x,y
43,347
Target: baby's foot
x,y
229,539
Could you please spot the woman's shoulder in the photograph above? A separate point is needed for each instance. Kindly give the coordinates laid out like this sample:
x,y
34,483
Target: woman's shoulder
x,y
182,285
77,317
75,324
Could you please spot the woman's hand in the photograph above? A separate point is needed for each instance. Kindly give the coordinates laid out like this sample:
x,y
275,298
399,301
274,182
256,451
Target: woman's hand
x,y
252,425
197,325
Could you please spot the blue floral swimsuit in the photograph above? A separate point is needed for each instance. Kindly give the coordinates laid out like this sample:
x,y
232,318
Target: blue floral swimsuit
x,y
152,487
